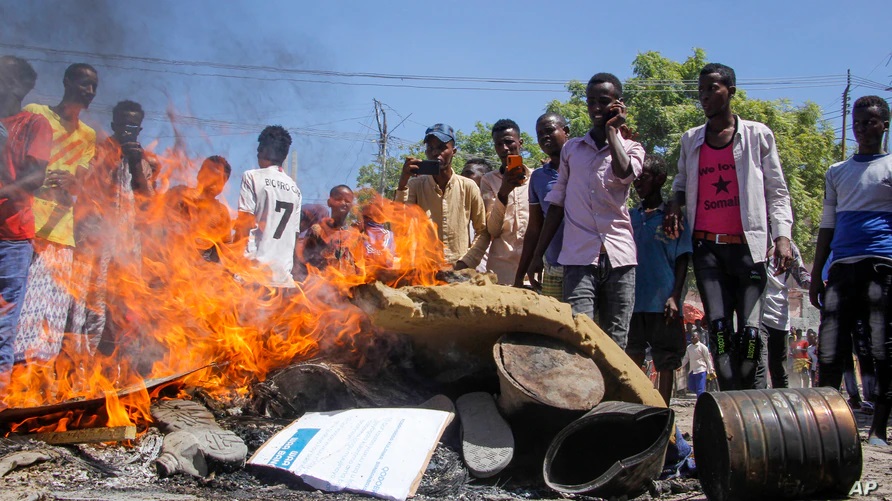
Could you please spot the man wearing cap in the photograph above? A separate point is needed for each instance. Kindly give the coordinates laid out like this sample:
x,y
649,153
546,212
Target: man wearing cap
x,y
452,202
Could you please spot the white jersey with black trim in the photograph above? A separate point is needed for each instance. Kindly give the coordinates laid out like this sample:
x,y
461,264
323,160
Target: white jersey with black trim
x,y
274,200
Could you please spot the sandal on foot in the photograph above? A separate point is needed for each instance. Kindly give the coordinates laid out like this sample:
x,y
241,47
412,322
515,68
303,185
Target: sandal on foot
x,y
877,441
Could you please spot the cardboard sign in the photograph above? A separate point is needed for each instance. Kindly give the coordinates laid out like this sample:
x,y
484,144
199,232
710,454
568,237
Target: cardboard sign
x,y
380,452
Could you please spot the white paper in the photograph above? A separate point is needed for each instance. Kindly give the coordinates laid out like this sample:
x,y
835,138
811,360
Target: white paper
x,y
381,452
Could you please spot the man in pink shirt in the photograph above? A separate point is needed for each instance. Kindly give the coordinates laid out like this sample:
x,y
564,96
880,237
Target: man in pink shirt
x,y
731,182
594,179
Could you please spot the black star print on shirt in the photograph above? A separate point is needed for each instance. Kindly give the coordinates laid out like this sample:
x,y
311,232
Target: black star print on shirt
x,y
721,185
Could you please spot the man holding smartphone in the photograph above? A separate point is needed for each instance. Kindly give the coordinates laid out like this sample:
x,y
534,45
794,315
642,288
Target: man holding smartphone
x,y
594,180
506,198
451,201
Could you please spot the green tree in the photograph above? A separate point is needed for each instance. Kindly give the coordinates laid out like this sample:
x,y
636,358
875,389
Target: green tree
x,y
574,109
661,99
806,145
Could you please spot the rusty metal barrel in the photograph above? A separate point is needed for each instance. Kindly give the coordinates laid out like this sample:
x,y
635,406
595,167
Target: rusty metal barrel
x,y
775,444
540,371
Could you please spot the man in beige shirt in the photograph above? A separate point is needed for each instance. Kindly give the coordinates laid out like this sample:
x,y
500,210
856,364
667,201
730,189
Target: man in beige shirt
x,y
506,198
451,201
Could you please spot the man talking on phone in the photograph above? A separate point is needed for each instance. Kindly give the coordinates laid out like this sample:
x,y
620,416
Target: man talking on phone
x,y
451,201
594,180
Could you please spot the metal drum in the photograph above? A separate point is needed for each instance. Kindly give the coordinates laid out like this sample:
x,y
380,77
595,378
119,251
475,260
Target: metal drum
x,y
786,443
540,371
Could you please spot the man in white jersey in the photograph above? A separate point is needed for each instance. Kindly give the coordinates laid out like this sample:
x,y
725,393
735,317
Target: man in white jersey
x,y
269,210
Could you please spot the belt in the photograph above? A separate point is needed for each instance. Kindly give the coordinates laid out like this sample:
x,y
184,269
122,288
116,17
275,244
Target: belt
x,y
719,238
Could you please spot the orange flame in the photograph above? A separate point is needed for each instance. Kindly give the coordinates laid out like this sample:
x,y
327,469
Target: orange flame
x,y
171,311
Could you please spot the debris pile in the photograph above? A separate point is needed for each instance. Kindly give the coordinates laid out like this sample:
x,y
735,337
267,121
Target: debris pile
x,y
544,403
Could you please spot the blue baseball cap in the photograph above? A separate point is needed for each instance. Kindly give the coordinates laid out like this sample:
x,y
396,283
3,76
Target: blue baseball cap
x,y
442,132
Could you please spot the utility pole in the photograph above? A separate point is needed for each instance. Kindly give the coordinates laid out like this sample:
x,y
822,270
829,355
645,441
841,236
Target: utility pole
x,y
845,112
291,164
886,142
381,117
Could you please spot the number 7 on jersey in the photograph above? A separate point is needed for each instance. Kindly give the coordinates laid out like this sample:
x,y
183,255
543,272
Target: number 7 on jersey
x,y
288,208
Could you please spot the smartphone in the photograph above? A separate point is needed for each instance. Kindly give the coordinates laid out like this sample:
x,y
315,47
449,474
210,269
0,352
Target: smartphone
x,y
428,168
613,113
514,162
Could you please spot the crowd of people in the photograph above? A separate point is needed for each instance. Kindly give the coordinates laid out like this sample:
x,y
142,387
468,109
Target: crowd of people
x,y
564,229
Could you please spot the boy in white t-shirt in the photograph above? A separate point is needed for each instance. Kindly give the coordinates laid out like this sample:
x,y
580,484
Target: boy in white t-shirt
x,y
269,209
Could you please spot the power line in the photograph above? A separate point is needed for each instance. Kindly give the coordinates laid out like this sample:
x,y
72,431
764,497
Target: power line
x,y
237,128
887,58
304,80
771,83
369,119
272,69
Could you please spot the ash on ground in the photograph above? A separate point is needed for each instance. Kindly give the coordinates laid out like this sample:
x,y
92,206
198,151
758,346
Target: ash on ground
x,y
127,472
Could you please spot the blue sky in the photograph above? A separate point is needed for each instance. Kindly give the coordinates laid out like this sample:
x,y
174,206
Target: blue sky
x,y
333,115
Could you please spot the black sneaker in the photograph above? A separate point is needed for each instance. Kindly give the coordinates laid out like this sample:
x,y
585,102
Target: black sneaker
x,y
854,404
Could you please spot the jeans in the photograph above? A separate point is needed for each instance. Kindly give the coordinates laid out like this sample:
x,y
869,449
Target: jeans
x,y
603,289
697,382
15,258
731,283
774,359
855,317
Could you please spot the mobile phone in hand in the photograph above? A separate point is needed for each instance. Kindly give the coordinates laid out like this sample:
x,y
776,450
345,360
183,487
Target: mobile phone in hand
x,y
428,168
614,112
514,162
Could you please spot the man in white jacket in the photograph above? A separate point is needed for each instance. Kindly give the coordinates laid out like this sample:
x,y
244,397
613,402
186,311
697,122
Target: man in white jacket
x,y
731,183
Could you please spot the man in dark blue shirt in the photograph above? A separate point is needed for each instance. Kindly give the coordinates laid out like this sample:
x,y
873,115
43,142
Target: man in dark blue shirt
x,y
552,133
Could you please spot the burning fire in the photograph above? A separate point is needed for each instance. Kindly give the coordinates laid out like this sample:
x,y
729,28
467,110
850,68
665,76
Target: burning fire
x,y
173,312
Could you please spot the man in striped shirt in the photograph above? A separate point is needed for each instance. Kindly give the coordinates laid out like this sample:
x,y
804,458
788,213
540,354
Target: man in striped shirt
x,y
47,300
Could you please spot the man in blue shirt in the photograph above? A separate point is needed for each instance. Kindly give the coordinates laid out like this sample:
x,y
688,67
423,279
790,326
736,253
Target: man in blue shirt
x,y
857,227
659,280
552,133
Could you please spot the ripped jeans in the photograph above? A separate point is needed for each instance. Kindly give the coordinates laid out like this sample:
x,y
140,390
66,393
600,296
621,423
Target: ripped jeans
x,y
731,283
